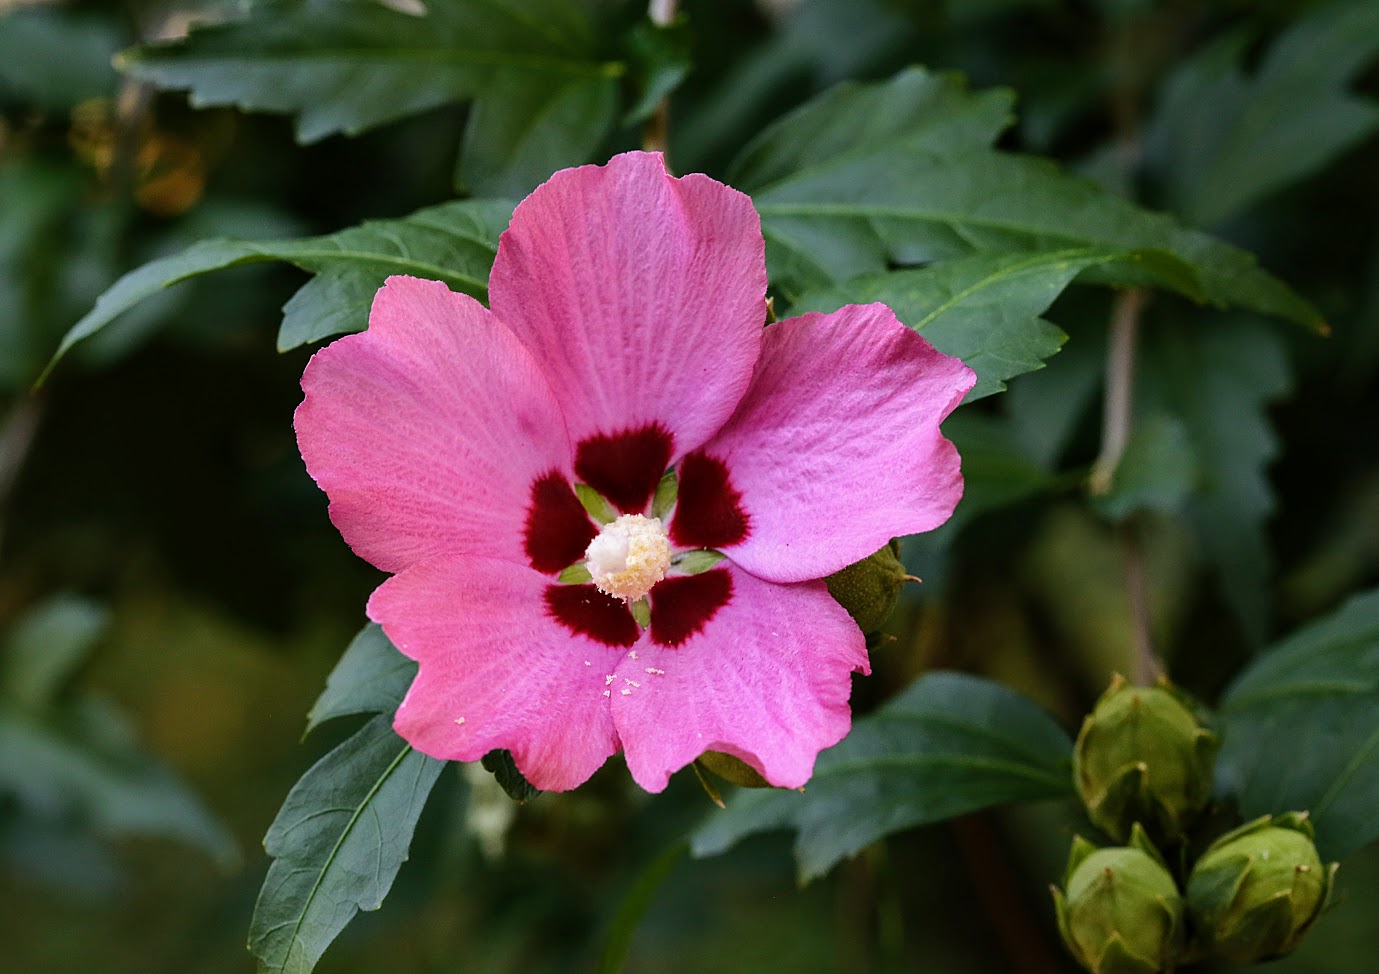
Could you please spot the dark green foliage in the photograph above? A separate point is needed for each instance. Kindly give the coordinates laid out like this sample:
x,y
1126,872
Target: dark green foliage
x,y
371,678
337,844
1299,730
949,745
542,97
454,243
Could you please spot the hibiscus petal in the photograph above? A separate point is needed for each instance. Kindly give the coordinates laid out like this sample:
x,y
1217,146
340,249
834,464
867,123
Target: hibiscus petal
x,y
767,680
429,431
497,671
640,295
835,448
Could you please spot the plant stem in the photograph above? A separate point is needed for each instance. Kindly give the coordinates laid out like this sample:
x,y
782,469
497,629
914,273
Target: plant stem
x,y
1117,419
654,134
1120,386
1147,668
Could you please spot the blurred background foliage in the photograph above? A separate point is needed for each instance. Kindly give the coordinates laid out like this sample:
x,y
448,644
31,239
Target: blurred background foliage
x,y
172,594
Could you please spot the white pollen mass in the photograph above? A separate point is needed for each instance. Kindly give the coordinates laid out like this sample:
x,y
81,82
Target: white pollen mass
x,y
629,556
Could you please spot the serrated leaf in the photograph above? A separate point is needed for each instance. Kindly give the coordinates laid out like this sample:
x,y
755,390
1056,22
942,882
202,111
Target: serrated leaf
x,y
949,745
1299,731
1221,140
852,199
1219,383
372,677
454,242
337,844
46,646
984,308
918,111
543,99
500,764
1157,471
82,766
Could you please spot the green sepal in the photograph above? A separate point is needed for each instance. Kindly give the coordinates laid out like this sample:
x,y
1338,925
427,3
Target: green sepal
x,y
709,787
1080,850
699,560
733,770
667,491
1139,839
641,612
500,764
594,504
576,574
1117,958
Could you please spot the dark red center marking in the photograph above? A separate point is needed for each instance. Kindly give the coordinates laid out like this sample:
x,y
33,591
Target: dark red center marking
x,y
683,604
625,467
557,529
708,512
586,611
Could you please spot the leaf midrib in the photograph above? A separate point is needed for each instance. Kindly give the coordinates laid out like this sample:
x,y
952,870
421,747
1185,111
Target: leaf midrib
x,y
1061,259
330,859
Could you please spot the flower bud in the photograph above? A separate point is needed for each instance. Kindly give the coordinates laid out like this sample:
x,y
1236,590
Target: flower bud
x,y
1142,757
1121,912
1255,891
870,588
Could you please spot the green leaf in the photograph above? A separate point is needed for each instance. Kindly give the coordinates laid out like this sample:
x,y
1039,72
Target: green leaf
x,y
454,242
983,308
949,745
1157,471
500,764
337,845
55,59
371,678
633,907
1299,731
82,765
1218,383
542,98
883,175
1221,140
661,59
46,646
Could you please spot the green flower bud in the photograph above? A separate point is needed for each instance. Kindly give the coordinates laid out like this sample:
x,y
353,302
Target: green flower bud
x,y
1257,890
1142,757
870,588
1121,912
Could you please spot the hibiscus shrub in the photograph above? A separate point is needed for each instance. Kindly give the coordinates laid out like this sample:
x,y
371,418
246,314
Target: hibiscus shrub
x,y
632,434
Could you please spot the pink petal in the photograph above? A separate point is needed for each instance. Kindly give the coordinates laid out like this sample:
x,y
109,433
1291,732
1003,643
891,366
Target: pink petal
x,y
429,431
835,447
496,670
640,295
767,680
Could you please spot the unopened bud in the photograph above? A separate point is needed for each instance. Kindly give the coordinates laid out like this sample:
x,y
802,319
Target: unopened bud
x,y
870,588
1142,757
1120,911
1257,890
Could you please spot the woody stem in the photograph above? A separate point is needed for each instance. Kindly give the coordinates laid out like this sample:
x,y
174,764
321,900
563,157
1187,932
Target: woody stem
x,y
654,137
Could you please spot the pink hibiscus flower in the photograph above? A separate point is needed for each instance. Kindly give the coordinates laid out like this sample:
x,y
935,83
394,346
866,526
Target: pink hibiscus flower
x,y
626,340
